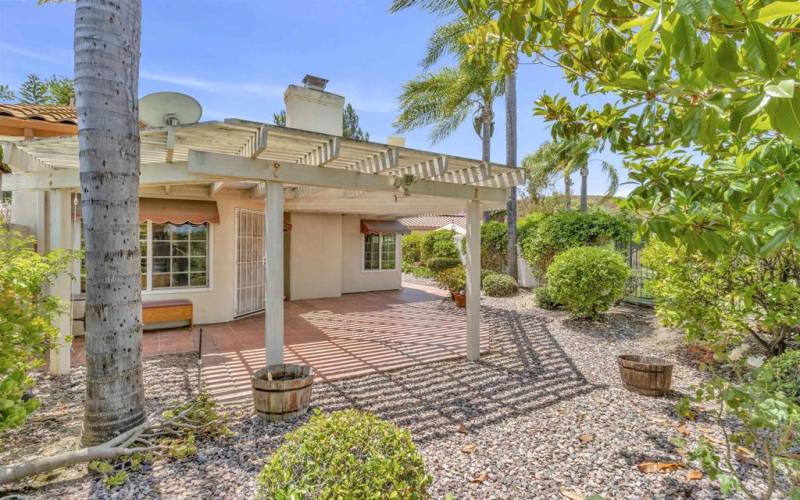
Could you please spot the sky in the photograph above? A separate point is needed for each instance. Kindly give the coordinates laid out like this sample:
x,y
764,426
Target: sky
x,y
237,57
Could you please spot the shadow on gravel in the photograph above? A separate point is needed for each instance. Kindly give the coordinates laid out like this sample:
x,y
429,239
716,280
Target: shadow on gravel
x,y
526,371
623,322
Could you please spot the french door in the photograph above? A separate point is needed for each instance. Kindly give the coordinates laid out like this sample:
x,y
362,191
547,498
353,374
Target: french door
x,y
250,275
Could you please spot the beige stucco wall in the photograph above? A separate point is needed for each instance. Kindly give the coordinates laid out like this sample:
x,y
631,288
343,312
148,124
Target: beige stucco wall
x,y
316,256
354,278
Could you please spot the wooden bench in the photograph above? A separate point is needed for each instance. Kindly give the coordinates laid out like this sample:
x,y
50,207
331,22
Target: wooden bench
x,y
167,311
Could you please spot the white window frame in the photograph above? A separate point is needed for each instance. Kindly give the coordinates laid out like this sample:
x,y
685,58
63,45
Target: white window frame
x,y
380,253
184,289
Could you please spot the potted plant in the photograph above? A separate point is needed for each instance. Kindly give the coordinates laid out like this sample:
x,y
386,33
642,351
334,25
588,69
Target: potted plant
x,y
455,281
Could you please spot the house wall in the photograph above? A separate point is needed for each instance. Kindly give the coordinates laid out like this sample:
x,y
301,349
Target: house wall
x,y
354,278
316,256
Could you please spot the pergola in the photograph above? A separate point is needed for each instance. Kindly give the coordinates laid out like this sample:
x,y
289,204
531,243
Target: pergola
x,y
293,170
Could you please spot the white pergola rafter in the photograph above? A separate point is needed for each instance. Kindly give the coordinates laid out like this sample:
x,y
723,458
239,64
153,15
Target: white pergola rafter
x,y
505,179
256,143
424,169
470,175
375,164
322,154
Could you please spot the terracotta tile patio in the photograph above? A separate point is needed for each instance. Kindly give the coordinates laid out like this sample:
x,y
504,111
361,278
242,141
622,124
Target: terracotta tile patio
x,y
341,337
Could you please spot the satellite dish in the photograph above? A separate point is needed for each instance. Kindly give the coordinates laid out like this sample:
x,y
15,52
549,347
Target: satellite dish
x,y
169,109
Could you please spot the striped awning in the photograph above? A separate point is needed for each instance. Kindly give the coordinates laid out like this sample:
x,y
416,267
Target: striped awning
x,y
161,211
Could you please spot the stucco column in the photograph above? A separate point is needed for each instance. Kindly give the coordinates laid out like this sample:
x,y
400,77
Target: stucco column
x,y
60,236
473,280
273,261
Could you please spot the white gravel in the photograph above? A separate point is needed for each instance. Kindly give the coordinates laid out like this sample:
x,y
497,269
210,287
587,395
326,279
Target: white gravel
x,y
548,381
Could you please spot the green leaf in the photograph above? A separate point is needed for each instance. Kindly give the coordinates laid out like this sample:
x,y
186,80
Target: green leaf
x,y
760,51
776,10
699,9
728,55
782,90
784,114
726,8
779,239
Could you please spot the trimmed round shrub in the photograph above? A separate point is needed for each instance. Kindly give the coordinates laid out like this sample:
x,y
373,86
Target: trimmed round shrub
x,y
587,281
484,274
782,373
345,454
544,299
499,285
437,264
412,247
438,243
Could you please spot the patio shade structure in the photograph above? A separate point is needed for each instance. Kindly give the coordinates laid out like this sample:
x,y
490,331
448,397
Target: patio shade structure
x,y
293,170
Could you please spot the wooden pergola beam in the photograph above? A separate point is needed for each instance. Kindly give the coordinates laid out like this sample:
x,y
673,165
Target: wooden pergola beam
x,y
322,154
385,160
470,175
256,143
505,179
424,169
220,165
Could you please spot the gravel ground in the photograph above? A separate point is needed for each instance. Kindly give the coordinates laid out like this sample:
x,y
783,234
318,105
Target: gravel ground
x,y
545,410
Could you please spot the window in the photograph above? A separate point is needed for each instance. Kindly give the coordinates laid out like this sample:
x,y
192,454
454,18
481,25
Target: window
x,y
379,252
173,256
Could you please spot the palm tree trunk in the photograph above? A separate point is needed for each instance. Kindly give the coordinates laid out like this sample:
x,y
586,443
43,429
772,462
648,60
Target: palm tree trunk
x,y
584,188
567,191
486,141
511,161
107,40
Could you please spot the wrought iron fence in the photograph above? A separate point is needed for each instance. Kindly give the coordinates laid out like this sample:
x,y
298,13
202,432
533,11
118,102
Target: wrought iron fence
x,y
636,292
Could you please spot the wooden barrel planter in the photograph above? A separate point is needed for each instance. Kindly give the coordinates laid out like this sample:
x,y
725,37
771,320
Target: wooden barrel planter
x,y
646,375
282,392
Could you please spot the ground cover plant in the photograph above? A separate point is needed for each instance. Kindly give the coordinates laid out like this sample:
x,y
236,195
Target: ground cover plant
x,y
345,454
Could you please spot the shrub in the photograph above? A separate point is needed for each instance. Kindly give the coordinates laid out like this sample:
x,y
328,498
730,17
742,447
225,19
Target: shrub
x,y
782,373
560,231
494,242
587,280
437,264
544,299
484,274
418,271
527,225
412,247
453,279
499,285
345,454
438,243
26,329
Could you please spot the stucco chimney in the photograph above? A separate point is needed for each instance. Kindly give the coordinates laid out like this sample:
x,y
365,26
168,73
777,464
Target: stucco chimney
x,y
396,140
311,108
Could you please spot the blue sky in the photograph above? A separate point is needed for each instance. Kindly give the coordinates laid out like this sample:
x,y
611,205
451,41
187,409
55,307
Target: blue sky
x,y
237,57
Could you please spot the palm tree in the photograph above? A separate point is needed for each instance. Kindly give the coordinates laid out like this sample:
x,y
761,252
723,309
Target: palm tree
x,y
107,41
565,158
511,161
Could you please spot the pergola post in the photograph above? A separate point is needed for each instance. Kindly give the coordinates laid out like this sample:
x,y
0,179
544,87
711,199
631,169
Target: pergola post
x,y
474,218
273,261
60,236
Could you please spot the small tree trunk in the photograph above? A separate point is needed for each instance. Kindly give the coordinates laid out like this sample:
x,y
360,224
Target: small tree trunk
x,y
511,161
107,39
486,141
584,188
567,191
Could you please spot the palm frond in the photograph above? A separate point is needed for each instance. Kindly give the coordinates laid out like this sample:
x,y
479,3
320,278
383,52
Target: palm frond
x,y
612,174
447,39
435,6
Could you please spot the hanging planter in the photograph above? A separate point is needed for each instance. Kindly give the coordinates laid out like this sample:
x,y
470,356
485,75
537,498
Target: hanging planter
x,y
282,392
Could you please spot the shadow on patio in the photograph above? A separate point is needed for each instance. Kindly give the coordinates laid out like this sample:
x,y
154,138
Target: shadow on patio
x,y
527,371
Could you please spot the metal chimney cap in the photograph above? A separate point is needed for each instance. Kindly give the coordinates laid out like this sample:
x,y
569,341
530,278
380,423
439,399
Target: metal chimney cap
x,y
314,82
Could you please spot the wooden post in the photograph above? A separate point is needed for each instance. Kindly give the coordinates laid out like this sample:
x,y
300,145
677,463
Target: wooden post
x,y
473,280
273,261
60,236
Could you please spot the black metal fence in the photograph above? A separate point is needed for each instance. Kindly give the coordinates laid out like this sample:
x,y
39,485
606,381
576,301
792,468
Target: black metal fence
x,y
636,292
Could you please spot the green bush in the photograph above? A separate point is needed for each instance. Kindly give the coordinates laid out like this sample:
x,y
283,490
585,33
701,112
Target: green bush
x,y
437,264
782,373
438,243
544,299
453,279
499,285
494,242
560,231
527,225
26,320
484,274
345,454
412,247
418,271
587,281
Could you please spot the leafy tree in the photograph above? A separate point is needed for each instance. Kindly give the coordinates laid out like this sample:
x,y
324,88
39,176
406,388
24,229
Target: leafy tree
x,y
6,94
61,90
350,127
26,329
34,90
279,118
